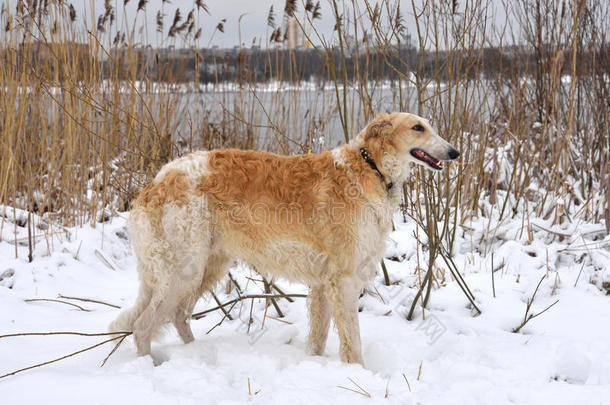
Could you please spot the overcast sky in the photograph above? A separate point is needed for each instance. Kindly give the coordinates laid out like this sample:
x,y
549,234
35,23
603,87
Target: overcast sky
x,y
253,21
253,25
253,17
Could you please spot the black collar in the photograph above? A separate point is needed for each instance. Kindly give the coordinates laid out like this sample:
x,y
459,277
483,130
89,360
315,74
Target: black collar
x,y
364,152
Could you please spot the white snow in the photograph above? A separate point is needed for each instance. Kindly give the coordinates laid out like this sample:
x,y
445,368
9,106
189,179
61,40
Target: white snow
x,y
451,357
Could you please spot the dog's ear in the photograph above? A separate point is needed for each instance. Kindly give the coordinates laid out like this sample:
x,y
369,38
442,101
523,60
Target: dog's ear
x,y
379,126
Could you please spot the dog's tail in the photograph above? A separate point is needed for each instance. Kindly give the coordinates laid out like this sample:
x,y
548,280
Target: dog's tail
x,y
126,319
124,322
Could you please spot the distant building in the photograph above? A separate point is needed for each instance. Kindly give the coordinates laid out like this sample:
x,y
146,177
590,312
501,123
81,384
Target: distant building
x,y
294,35
407,40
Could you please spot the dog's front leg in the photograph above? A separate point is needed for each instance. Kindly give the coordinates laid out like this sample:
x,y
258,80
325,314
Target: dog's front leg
x,y
319,320
343,295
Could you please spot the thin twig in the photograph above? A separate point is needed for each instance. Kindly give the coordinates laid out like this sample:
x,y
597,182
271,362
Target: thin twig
x,y
418,294
530,302
61,333
361,392
273,301
250,316
459,279
201,314
221,307
578,277
222,320
239,291
123,335
276,288
279,320
493,282
386,277
88,300
265,314
58,301
535,315
379,295
114,349
565,235
407,381
105,260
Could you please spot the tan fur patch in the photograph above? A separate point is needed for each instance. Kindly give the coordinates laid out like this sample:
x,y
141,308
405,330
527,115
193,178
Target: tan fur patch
x,y
380,125
173,187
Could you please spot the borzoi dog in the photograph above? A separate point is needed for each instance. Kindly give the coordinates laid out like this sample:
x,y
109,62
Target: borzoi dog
x,y
319,219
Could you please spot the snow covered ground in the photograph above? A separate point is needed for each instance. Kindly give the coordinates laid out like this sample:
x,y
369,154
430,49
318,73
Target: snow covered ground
x,y
453,357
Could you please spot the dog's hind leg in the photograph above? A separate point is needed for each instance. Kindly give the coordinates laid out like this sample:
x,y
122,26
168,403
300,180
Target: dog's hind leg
x,y
161,308
214,271
319,320
182,318
167,292
343,295
190,275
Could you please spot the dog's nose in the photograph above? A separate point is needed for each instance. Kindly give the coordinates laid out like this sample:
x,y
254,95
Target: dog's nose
x,y
453,154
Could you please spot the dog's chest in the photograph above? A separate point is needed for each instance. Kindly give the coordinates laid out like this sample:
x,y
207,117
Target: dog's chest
x,y
373,231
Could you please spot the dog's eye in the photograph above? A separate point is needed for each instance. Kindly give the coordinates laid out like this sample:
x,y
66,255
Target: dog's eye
x,y
418,128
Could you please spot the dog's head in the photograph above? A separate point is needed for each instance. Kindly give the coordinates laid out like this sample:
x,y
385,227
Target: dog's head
x,y
399,138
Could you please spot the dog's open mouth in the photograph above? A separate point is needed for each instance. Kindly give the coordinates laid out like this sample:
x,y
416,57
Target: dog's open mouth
x,y
426,158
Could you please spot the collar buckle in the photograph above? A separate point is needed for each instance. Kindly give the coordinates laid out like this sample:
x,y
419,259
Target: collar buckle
x,y
366,155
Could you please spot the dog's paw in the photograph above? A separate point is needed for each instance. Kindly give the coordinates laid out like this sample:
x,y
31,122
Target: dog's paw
x,y
159,357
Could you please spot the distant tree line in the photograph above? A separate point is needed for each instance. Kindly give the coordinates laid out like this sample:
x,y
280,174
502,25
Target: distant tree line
x,y
294,65
256,65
